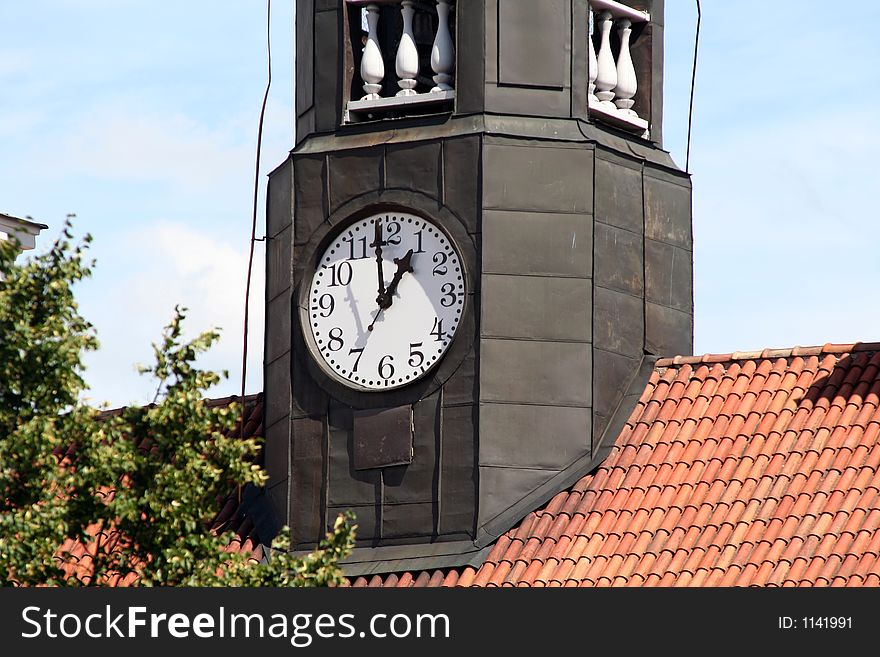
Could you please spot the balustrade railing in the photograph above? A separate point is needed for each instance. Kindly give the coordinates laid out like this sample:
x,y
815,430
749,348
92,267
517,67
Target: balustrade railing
x,y
613,83
412,92
399,33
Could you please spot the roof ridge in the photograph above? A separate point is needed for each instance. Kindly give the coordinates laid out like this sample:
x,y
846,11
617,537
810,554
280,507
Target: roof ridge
x,y
828,348
211,402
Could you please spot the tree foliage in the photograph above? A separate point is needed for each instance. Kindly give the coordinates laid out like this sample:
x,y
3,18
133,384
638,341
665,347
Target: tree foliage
x,y
136,489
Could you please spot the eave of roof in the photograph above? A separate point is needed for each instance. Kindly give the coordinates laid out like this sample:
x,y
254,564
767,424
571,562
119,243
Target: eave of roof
x,y
32,227
23,230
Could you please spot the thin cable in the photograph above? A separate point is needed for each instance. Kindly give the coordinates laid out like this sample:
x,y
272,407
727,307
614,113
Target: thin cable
x,y
687,163
247,288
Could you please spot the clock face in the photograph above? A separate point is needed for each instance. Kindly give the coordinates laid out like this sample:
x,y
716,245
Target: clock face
x,y
385,300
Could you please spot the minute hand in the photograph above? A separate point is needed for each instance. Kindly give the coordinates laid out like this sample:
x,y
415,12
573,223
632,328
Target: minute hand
x,y
377,242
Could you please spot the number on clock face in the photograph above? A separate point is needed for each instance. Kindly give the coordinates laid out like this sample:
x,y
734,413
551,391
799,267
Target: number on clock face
x,y
375,343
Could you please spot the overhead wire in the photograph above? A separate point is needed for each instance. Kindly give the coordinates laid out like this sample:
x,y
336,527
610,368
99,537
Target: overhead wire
x,y
254,240
687,165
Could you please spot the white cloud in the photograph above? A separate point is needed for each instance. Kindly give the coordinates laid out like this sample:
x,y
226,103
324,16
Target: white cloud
x,y
169,264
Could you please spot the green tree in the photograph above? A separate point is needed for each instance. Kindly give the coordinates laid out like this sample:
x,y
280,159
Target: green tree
x,y
137,489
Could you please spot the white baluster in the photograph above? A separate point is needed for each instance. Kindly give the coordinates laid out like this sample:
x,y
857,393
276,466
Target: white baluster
x,y
606,70
443,52
407,62
372,66
627,84
592,72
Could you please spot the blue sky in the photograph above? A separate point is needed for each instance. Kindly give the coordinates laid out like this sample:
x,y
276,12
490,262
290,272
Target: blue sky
x,y
140,117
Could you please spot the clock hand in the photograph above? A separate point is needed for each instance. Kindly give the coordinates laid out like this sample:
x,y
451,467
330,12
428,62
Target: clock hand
x,y
378,243
404,265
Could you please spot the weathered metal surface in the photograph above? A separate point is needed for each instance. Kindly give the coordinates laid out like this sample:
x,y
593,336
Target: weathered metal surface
x,y
382,438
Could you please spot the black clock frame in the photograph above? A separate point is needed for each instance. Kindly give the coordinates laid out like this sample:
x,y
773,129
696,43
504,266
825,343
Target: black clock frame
x,y
465,336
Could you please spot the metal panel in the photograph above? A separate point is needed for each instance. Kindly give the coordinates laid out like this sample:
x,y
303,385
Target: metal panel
x,y
668,332
276,457
354,173
367,517
310,195
416,482
470,72
278,263
401,520
501,488
414,167
537,178
579,59
669,274
532,43
520,436
461,387
619,258
668,212
618,322
279,494
307,481
461,191
611,375
328,69
619,193
654,32
522,371
309,400
305,61
346,485
536,307
526,102
458,482
382,438
538,244
277,327
277,374
279,203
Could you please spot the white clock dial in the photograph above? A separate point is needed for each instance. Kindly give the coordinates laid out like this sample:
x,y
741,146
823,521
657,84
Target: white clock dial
x,y
383,334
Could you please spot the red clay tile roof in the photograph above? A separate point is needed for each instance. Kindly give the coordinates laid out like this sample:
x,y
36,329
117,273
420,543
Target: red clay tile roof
x,y
229,518
745,469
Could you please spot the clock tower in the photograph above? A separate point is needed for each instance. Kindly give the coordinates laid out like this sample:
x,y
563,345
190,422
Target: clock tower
x,y
476,250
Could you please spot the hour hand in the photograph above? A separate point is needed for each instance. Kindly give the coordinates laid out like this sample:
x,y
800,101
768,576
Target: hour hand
x,y
404,265
386,298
